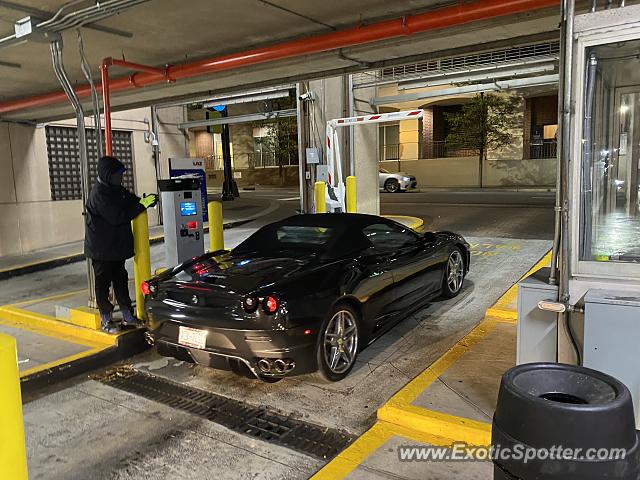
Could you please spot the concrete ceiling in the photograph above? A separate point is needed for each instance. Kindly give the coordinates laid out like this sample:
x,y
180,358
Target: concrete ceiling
x,y
172,32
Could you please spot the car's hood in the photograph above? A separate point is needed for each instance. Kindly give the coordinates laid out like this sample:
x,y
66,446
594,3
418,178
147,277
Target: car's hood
x,y
241,274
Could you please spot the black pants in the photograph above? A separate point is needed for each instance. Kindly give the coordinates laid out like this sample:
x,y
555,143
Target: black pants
x,y
106,274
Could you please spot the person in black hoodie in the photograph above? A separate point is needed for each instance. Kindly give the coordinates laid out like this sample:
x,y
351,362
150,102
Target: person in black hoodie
x,y
108,240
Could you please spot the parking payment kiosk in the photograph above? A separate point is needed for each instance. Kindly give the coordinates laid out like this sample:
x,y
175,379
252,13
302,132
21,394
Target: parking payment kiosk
x,y
182,213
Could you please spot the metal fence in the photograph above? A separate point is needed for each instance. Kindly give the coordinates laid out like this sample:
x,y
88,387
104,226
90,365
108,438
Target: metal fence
x,y
440,149
390,152
546,149
251,160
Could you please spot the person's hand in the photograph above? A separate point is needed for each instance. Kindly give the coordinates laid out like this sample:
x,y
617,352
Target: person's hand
x,y
148,201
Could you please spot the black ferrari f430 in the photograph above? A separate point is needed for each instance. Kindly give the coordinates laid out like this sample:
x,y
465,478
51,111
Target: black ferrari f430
x,y
301,295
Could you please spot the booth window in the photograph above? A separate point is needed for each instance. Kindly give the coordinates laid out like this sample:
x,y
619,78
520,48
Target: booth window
x,y
64,160
610,219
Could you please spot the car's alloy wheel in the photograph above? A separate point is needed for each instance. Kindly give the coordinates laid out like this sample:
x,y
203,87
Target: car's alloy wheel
x,y
338,344
392,185
453,274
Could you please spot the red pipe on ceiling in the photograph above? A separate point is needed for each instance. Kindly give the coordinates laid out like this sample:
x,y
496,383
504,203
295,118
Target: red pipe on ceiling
x,y
408,25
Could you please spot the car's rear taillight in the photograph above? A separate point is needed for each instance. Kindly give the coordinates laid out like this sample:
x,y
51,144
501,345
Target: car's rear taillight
x,y
270,305
146,288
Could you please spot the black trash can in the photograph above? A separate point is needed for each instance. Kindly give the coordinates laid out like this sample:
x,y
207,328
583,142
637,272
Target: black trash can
x,y
548,411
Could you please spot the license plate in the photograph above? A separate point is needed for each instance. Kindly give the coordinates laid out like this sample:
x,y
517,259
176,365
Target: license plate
x,y
192,337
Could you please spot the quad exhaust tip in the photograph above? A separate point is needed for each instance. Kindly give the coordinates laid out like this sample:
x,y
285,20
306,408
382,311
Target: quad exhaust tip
x,y
264,365
275,366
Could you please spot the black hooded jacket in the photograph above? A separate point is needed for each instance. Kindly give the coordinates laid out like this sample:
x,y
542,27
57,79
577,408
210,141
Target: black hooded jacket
x,y
110,209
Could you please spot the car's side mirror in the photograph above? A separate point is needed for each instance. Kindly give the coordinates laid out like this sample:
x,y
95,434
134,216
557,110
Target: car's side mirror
x,y
429,237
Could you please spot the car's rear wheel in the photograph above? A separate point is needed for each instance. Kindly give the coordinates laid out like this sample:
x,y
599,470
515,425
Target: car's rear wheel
x,y
454,271
392,185
338,344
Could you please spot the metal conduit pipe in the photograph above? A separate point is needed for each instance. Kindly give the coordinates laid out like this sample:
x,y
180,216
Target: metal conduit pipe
x,y
594,5
61,74
86,70
562,138
564,318
587,155
459,14
59,22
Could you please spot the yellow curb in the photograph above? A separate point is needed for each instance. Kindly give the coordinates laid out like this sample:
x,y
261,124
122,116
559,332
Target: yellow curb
x,y
398,417
450,427
52,327
61,361
85,317
370,441
407,394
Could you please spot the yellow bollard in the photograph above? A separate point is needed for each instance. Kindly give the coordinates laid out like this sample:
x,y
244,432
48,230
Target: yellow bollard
x,y
141,259
351,194
319,192
13,453
216,236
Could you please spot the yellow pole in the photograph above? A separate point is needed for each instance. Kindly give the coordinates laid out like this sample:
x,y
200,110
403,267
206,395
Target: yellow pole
x,y
320,199
141,259
13,453
216,237
351,194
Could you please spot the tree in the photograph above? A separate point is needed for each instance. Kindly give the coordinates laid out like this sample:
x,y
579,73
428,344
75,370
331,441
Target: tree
x,y
486,123
280,142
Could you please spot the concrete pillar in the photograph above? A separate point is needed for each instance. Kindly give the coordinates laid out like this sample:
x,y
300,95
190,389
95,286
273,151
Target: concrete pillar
x,y
409,139
367,155
331,102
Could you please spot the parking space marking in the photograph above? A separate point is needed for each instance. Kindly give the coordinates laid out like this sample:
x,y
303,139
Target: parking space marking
x,y
370,441
489,249
421,424
503,309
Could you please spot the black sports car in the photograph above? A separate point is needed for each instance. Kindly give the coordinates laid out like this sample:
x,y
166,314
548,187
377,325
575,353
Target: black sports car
x,y
301,295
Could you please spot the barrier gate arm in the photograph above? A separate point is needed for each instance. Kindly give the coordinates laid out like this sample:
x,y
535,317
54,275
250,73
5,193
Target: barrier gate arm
x,y
334,161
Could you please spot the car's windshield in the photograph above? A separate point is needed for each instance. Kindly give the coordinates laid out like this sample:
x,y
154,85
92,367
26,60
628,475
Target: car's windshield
x,y
288,237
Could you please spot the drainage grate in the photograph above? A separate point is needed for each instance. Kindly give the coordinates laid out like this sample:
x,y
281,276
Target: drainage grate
x,y
257,422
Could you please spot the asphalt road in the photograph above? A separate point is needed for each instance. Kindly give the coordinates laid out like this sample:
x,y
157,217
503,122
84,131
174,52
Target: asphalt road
x,y
506,214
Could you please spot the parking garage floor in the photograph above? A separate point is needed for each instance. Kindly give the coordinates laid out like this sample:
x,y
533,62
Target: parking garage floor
x,y
109,433
102,430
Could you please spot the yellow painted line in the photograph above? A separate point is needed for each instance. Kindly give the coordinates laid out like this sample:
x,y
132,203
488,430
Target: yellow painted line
x,y
398,417
354,454
61,361
412,390
45,299
52,327
368,443
505,308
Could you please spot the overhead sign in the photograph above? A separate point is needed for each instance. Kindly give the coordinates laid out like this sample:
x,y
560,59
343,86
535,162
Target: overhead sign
x,y
179,167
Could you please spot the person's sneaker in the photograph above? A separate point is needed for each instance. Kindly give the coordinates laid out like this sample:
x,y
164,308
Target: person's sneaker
x,y
129,319
107,325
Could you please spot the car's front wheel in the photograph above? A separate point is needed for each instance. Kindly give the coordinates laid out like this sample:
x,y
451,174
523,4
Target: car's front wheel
x,y
338,344
454,271
392,185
